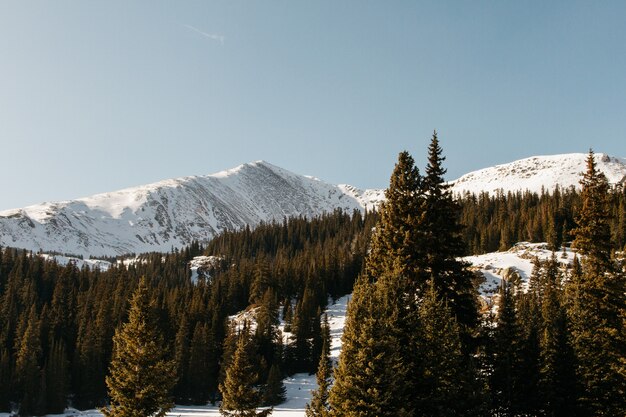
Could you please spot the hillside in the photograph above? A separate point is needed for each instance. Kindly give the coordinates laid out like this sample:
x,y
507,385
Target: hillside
x,y
539,172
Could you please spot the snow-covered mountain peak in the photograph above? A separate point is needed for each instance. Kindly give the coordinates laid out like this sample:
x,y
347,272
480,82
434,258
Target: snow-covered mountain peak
x,y
173,213
539,171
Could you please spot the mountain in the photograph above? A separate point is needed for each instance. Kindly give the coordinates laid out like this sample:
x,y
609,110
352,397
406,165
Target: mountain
x,y
172,213
539,171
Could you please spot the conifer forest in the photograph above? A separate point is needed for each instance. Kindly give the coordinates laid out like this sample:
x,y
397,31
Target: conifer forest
x,y
419,340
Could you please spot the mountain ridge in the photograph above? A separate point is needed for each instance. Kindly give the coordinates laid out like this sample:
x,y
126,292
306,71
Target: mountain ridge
x,y
535,172
172,213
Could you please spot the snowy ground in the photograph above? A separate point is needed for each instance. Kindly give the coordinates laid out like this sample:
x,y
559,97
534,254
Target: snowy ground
x,y
496,266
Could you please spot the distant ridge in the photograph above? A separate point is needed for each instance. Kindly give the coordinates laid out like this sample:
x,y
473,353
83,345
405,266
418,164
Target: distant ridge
x,y
539,171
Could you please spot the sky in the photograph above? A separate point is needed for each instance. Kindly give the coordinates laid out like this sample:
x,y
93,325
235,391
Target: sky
x,y
96,96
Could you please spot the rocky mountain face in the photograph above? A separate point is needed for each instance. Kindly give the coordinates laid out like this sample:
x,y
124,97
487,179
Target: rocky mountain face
x,y
172,213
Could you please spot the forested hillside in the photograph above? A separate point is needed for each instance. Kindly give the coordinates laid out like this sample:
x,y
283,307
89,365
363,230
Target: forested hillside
x,y
58,321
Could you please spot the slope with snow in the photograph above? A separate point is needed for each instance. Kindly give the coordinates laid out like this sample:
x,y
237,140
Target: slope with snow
x,y
540,171
173,213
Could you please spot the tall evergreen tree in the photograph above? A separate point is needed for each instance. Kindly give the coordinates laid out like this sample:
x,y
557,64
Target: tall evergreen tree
x,y
319,407
396,240
444,244
141,376
5,379
27,367
444,387
181,356
57,375
274,392
200,371
371,362
505,383
557,379
240,396
597,311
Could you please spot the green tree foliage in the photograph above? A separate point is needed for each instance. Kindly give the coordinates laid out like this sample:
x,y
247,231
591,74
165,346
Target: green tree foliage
x,y
81,308
140,376
28,369
274,392
557,380
443,387
443,243
201,371
319,406
57,378
240,395
300,262
505,382
597,308
396,241
371,361
414,253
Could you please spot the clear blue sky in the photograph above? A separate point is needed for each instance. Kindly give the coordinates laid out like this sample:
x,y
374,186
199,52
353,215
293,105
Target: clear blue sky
x,y
98,96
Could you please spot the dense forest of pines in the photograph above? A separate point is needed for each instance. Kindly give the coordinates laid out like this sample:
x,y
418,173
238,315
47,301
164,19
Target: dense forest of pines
x,y
414,342
414,345
57,322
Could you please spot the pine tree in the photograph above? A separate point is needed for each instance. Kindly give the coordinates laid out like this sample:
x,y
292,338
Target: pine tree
x,y
442,388
504,379
240,397
140,376
5,380
319,407
395,242
378,346
593,234
27,368
199,366
181,356
57,374
274,392
597,311
557,379
371,362
443,245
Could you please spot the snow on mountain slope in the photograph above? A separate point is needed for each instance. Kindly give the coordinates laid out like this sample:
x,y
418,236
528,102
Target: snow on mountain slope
x,y
172,213
540,171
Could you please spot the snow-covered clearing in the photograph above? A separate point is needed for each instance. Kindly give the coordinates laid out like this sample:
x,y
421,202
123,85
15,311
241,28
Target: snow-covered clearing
x,y
496,266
